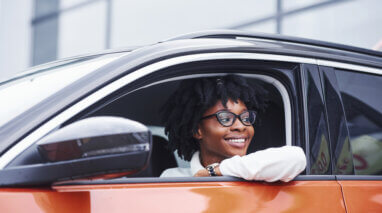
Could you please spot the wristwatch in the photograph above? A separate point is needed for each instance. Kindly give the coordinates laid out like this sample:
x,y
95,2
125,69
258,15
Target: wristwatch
x,y
211,169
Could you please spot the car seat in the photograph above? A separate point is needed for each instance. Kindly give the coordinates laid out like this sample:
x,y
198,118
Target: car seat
x,y
161,158
269,129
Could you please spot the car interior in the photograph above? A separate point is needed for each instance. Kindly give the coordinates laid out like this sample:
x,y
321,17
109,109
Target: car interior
x,y
144,105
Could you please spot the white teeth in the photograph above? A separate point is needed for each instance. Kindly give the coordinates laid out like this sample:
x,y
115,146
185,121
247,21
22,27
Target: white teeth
x,y
241,140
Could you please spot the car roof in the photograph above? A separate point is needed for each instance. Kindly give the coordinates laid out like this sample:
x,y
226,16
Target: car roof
x,y
272,43
283,41
278,44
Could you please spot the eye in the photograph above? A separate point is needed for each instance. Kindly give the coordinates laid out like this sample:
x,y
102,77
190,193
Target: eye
x,y
245,117
225,117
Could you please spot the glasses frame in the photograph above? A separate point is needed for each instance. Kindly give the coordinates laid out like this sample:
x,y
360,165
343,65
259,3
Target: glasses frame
x,y
234,119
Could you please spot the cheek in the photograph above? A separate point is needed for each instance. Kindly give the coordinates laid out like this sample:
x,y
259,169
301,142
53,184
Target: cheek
x,y
251,131
211,131
215,132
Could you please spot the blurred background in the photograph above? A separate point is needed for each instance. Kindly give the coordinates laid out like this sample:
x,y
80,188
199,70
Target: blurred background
x,y
38,31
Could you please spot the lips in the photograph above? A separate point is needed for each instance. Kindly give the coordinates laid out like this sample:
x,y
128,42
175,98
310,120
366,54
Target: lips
x,y
237,142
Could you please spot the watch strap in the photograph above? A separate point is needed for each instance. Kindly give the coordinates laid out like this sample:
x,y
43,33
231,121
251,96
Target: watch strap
x,y
211,169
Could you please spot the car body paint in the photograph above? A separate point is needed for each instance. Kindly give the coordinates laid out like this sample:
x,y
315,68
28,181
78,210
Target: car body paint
x,y
295,196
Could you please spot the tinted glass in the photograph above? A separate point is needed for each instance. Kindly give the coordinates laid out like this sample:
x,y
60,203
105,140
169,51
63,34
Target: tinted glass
x,y
318,142
342,161
363,107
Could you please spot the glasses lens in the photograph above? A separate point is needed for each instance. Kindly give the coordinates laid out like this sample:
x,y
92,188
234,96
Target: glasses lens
x,y
225,118
248,117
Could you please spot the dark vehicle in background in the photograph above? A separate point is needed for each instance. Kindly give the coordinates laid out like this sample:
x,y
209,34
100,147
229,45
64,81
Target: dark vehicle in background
x,y
68,128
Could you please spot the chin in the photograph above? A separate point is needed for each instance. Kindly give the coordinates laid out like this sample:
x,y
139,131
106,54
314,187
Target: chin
x,y
238,152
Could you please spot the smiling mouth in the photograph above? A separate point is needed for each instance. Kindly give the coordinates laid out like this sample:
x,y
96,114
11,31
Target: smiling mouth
x,y
236,142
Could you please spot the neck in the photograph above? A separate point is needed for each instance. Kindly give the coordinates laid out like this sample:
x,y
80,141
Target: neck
x,y
207,159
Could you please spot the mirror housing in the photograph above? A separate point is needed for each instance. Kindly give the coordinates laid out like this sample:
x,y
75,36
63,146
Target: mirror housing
x,y
94,147
96,136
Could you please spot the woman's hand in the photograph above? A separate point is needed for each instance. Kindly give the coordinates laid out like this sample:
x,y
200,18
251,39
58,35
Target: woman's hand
x,y
204,172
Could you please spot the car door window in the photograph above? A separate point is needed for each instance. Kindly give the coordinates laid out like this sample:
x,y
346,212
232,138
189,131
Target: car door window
x,y
144,105
142,99
363,107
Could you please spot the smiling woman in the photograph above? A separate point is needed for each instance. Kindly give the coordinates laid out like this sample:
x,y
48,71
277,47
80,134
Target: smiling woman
x,y
210,122
224,136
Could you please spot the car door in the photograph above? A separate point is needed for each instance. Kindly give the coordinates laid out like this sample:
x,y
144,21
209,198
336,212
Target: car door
x,y
295,79
356,95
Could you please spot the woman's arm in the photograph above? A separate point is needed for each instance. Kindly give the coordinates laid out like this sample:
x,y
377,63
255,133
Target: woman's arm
x,y
270,165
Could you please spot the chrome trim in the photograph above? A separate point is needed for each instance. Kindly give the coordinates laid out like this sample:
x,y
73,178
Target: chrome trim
x,y
108,89
353,67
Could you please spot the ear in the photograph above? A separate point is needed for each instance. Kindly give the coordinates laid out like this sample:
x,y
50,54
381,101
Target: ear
x,y
198,134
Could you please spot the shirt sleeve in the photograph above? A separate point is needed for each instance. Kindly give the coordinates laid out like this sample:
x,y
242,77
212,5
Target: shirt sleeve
x,y
177,172
272,164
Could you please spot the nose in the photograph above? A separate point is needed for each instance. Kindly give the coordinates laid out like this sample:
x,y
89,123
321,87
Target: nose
x,y
238,126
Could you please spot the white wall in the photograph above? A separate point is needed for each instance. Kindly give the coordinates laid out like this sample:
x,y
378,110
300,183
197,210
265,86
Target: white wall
x,y
149,21
83,29
15,36
357,23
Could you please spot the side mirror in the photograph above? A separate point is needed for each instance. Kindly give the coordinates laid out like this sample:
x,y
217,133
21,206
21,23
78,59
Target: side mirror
x,y
93,147
95,137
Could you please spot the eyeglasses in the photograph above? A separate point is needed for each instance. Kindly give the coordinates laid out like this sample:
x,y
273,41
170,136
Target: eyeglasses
x,y
227,119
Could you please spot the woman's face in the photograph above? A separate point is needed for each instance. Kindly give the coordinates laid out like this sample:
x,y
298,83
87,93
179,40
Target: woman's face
x,y
218,142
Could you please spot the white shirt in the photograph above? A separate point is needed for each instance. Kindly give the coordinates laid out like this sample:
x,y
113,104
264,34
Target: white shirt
x,y
272,164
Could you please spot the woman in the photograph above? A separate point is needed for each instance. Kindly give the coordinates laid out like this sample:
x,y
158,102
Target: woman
x,y
210,121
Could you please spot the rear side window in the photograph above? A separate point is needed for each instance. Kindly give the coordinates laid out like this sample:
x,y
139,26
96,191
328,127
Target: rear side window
x,y
361,95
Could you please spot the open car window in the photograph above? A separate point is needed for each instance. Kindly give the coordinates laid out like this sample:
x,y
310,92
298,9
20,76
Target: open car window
x,y
145,106
141,100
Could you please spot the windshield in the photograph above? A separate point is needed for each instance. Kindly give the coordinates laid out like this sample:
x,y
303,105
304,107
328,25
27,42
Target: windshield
x,y
23,92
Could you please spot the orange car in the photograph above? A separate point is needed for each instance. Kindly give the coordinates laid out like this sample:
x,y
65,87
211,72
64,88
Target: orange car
x,y
84,134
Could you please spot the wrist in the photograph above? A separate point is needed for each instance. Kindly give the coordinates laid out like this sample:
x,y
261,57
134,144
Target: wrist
x,y
217,171
213,169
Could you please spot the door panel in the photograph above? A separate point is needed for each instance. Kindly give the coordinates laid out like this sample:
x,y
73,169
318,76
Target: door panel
x,y
43,200
296,196
362,195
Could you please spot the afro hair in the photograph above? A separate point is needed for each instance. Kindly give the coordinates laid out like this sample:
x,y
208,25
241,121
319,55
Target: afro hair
x,y
184,108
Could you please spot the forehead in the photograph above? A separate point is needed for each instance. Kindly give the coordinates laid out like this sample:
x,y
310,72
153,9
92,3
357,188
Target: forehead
x,y
235,107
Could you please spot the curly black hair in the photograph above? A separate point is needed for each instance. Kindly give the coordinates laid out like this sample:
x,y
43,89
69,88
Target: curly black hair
x,y
184,109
